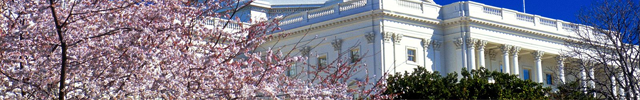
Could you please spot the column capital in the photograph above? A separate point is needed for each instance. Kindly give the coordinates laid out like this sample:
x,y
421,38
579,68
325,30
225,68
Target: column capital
x,y
458,43
471,42
305,50
515,50
436,44
426,43
397,38
560,58
505,48
537,54
386,36
370,37
337,44
481,44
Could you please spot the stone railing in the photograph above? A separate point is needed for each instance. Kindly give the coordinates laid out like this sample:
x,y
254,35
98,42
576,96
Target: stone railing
x,y
352,4
526,18
508,17
324,12
217,22
492,10
413,8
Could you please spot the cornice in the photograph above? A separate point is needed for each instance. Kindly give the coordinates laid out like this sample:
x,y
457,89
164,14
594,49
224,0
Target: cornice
x,y
518,29
304,29
375,13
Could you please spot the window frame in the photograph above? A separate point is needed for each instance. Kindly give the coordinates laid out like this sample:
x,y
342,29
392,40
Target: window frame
x,y
548,78
413,57
320,63
354,55
528,74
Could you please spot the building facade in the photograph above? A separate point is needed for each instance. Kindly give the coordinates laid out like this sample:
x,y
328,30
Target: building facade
x,y
399,35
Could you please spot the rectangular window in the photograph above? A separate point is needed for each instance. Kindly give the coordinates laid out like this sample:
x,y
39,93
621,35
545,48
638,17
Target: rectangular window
x,y
292,70
411,54
549,79
355,55
322,62
525,74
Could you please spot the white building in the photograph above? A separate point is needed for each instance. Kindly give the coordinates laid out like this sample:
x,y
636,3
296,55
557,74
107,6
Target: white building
x,y
399,35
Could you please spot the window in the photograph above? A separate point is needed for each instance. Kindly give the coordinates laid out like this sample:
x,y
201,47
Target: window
x,y
292,70
549,79
322,62
411,54
525,74
355,55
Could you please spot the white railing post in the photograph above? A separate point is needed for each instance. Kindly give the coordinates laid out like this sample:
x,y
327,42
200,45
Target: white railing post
x,y
306,16
558,25
536,20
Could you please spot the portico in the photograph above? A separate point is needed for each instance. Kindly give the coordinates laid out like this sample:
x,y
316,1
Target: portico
x,y
527,63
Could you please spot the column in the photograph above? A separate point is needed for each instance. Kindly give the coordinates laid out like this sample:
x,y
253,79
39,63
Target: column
x,y
471,42
438,62
481,44
514,54
560,60
591,78
613,85
425,46
583,78
538,61
621,85
505,57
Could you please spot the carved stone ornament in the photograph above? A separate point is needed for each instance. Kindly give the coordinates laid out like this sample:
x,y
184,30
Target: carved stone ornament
x,y
537,55
471,42
387,36
505,48
305,50
337,44
436,44
515,50
370,37
492,54
397,38
560,59
426,43
481,44
458,43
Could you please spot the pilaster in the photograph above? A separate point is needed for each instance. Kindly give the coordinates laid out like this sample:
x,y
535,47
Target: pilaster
x,y
337,44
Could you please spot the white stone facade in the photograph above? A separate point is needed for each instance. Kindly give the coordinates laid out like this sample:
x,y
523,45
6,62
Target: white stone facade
x,y
445,38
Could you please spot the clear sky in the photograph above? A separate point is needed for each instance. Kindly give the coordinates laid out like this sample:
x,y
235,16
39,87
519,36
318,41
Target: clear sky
x,y
565,10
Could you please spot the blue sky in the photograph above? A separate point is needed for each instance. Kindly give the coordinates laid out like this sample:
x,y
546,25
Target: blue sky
x,y
565,10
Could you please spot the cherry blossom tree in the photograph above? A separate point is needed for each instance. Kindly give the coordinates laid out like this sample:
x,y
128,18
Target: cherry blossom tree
x,y
143,49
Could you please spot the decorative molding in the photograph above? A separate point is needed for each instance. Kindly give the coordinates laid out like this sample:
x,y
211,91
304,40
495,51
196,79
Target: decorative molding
x,y
337,44
515,50
471,42
505,48
426,43
305,50
370,37
397,38
560,59
537,55
458,43
436,44
387,36
481,44
492,54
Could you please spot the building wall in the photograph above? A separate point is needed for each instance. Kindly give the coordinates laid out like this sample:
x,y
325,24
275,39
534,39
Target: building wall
x,y
438,34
